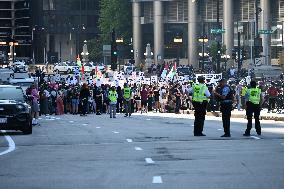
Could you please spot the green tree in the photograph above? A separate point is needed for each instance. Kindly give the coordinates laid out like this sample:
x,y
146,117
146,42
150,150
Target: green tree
x,y
213,50
95,49
116,15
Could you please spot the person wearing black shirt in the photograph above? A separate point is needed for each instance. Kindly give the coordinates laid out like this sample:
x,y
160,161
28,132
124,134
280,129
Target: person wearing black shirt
x,y
177,94
84,95
98,96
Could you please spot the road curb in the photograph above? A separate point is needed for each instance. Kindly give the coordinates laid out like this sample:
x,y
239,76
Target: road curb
x,y
218,114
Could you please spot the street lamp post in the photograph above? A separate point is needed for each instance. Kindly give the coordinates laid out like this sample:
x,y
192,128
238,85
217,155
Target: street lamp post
x,y
119,41
203,40
178,40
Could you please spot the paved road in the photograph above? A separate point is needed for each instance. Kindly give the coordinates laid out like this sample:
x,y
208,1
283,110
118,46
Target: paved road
x,y
142,152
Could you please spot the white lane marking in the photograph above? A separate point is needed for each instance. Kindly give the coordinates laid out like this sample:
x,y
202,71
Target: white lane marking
x,y
256,138
115,132
138,149
40,118
85,124
11,144
98,127
49,119
157,180
149,161
58,118
129,140
71,121
148,119
220,129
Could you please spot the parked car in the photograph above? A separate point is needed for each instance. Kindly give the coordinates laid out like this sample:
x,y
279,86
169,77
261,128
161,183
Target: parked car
x,y
15,113
19,67
63,67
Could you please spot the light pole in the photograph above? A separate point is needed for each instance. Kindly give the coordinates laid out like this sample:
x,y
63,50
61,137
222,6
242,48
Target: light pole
x,y
119,41
203,40
178,40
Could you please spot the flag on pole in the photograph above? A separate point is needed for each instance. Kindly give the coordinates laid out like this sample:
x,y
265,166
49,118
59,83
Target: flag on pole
x,y
173,71
79,61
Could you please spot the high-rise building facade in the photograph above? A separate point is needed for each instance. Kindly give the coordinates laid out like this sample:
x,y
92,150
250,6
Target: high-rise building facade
x,y
15,31
159,22
60,28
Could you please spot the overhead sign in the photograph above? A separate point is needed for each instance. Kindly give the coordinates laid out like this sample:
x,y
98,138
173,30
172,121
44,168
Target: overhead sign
x,y
217,31
266,32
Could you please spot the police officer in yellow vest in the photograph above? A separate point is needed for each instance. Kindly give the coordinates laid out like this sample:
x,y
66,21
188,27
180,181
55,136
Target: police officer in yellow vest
x,y
112,96
200,99
127,99
253,107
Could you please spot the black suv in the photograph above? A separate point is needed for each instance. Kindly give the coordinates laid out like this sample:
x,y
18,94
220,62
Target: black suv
x,y
15,113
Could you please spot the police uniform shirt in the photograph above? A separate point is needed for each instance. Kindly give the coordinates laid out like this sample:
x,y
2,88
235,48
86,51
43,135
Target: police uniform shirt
x,y
247,96
206,92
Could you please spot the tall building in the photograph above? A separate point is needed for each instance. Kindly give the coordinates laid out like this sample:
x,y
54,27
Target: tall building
x,y
15,31
60,28
160,22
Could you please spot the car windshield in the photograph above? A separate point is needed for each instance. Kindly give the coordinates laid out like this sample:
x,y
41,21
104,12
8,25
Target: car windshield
x,y
11,93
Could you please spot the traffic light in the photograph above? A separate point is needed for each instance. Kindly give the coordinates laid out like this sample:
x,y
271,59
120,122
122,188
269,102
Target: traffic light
x,y
258,51
113,52
234,54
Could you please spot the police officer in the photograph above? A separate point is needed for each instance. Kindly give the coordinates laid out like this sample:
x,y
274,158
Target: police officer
x,y
127,100
225,95
200,99
112,95
253,107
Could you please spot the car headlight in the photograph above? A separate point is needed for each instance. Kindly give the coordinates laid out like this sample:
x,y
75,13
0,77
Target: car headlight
x,y
20,108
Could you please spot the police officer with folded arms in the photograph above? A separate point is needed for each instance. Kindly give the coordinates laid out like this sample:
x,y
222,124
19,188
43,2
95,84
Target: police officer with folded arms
x,y
254,101
200,97
225,96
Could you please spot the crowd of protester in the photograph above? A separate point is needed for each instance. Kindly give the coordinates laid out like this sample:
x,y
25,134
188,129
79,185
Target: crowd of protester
x,y
60,98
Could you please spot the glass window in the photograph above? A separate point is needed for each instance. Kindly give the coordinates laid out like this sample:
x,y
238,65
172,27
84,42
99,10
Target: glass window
x,y
11,93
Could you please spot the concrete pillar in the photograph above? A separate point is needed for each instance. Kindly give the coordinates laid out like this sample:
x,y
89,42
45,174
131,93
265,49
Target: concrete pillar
x,y
158,32
192,34
137,37
266,25
228,25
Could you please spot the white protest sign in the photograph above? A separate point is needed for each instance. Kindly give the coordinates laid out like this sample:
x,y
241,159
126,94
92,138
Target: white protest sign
x,y
154,79
210,78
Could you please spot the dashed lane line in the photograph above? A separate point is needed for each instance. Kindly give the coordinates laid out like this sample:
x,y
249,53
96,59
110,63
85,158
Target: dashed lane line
x,y
149,161
129,140
115,132
11,144
157,180
138,148
85,124
255,137
98,127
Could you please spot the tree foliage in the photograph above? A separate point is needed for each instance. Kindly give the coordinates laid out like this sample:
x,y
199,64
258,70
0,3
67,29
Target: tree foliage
x,y
115,14
213,50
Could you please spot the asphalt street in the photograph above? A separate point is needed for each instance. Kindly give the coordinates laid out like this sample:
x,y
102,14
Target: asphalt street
x,y
142,152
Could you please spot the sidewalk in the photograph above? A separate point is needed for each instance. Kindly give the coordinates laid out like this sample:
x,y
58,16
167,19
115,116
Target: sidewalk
x,y
242,114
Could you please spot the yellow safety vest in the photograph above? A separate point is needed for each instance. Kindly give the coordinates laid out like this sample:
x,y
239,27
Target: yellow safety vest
x,y
244,91
199,93
254,95
112,96
126,92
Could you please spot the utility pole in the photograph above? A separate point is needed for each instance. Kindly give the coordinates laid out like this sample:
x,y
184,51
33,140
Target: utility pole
x,y
203,46
218,38
257,39
239,54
